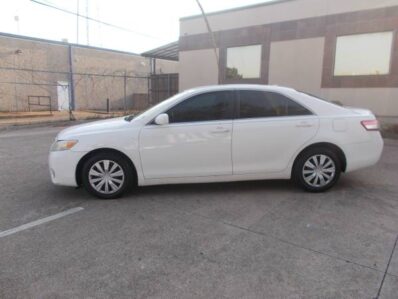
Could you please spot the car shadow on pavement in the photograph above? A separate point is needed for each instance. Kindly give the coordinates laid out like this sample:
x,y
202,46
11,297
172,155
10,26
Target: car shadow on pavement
x,y
269,185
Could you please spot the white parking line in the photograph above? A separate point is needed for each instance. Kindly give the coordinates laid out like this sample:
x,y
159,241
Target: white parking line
x,y
39,221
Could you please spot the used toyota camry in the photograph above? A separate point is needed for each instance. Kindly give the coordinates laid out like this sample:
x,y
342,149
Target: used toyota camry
x,y
217,134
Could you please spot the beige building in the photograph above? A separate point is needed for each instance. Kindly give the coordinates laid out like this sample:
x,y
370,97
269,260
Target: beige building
x,y
31,67
341,50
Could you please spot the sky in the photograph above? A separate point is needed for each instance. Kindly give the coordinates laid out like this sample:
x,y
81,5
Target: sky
x,y
151,23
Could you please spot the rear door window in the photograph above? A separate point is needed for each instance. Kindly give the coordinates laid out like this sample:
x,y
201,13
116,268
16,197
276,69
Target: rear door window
x,y
256,104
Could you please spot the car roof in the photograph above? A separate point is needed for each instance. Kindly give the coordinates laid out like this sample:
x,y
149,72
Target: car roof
x,y
241,86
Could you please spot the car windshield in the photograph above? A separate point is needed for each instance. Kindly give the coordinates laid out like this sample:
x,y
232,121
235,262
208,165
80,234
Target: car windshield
x,y
163,103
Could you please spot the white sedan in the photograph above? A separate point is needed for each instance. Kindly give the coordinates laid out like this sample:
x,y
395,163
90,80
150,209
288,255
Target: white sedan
x,y
218,134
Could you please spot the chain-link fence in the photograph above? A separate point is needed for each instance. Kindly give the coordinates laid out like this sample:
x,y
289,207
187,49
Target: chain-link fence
x,y
32,93
90,91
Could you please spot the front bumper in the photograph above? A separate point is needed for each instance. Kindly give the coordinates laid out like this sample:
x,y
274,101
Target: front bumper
x,y
63,166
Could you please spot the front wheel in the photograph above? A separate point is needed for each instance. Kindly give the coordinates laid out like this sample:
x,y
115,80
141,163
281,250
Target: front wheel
x,y
317,170
107,175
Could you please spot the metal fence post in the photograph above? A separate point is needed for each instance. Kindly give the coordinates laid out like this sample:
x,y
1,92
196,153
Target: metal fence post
x,y
168,85
72,86
125,92
149,94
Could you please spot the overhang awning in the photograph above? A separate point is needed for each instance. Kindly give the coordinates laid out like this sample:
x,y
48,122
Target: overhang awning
x,y
167,52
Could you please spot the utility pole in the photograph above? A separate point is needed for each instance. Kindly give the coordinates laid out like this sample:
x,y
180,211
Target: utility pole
x,y
77,21
87,24
16,19
211,34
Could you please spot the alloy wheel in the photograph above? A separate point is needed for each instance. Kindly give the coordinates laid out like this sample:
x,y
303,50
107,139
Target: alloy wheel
x,y
106,176
319,170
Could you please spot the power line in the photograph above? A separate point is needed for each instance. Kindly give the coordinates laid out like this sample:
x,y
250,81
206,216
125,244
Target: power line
x,y
94,20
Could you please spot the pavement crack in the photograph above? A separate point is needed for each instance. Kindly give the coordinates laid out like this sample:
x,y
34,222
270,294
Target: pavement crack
x,y
282,240
386,271
302,247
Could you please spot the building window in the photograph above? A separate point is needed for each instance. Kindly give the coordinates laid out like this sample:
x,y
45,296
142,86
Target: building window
x,y
363,54
244,62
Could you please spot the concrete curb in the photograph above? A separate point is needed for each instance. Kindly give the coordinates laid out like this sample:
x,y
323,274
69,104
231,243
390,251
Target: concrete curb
x,y
54,123
389,130
389,135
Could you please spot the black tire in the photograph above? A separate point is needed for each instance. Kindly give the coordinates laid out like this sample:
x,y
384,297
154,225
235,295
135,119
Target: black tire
x,y
115,159
301,174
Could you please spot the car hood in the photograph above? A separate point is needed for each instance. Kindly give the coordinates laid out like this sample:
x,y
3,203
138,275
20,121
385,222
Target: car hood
x,y
108,125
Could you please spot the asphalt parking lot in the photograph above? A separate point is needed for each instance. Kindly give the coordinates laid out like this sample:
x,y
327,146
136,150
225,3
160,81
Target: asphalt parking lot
x,y
234,240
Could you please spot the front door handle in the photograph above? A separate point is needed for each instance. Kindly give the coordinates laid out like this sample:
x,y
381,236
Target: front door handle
x,y
220,131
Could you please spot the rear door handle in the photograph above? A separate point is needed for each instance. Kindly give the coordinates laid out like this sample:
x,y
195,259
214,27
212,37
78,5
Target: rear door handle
x,y
304,124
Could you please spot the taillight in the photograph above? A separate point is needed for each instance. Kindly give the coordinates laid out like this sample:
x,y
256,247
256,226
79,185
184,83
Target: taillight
x,y
371,125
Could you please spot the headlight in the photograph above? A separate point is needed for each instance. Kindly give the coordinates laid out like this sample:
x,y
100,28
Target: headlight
x,y
63,145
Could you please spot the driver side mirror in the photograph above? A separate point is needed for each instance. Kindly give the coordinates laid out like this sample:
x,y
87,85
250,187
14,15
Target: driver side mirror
x,y
162,119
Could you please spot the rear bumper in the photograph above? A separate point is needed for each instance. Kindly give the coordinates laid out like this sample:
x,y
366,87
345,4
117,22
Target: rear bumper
x,y
364,154
63,165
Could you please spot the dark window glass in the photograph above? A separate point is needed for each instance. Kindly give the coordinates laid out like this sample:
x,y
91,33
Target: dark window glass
x,y
268,104
205,107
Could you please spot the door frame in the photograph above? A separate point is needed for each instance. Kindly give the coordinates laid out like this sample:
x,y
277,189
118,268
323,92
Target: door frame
x,y
150,125
63,105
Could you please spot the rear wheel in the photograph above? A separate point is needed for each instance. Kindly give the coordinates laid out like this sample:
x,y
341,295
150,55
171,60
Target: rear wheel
x,y
107,175
317,169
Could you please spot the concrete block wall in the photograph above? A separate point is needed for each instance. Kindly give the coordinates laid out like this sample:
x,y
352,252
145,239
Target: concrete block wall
x,y
91,91
26,54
